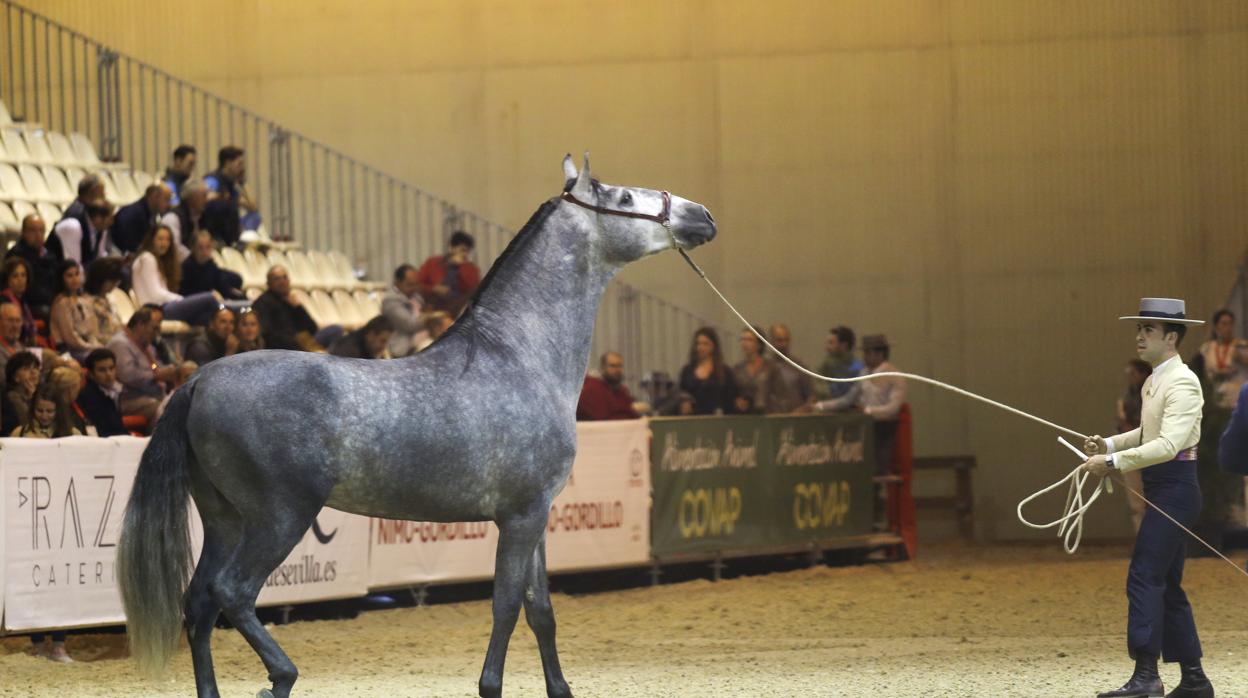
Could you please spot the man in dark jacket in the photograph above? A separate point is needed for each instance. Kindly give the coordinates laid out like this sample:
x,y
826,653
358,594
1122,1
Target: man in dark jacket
x,y
99,397
201,274
284,320
134,221
368,342
180,170
43,261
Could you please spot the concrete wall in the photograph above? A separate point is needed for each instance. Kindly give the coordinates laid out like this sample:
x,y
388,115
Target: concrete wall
x,y
990,182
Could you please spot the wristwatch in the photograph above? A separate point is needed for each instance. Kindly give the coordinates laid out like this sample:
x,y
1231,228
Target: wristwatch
x,y
1109,460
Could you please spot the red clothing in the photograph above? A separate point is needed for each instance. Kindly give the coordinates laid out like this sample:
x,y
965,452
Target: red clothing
x,y
600,401
433,273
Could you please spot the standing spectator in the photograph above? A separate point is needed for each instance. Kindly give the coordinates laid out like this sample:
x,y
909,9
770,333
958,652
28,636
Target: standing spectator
x,y
103,275
14,282
157,270
68,383
74,325
134,222
881,399
42,260
1225,371
227,184
436,324
799,386
47,418
100,399
21,378
401,305
1129,406
217,341
90,192
368,342
448,281
249,335
143,378
840,362
184,218
85,244
200,273
286,323
605,396
760,387
1226,361
706,378
180,170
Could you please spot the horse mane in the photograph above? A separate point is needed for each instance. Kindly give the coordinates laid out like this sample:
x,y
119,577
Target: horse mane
x,y
536,221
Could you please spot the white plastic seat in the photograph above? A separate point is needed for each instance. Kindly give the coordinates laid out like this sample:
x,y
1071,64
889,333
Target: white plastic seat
x,y
21,209
252,293
5,119
368,302
110,188
122,304
32,179
348,305
59,187
62,152
258,264
330,310
342,269
37,146
320,315
126,189
74,175
301,268
323,269
11,186
9,222
14,145
84,151
142,180
49,212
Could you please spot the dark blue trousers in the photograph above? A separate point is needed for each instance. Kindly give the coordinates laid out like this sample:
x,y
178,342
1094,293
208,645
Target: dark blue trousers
x,y
1159,618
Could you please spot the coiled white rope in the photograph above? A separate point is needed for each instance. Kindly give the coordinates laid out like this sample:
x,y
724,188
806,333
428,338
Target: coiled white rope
x,y
1070,524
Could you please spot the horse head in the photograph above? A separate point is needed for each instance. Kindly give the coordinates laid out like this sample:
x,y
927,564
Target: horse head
x,y
633,223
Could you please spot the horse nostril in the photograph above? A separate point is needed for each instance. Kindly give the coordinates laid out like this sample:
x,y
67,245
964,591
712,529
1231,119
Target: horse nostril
x,y
707,213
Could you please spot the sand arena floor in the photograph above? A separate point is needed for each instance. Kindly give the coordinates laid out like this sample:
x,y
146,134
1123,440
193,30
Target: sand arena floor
x,y
1022,621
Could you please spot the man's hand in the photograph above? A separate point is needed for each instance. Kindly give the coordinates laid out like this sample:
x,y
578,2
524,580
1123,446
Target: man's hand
x,y
293,300
1095,445
441,290
1097,466
231,344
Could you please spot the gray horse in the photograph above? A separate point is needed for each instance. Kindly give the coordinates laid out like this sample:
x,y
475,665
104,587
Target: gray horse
x,y
481,426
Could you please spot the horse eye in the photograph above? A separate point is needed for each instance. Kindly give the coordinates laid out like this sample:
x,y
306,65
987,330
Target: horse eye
x,y
626,198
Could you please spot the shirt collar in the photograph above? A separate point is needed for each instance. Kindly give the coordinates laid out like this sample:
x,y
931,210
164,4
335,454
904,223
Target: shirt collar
x,y
1164,365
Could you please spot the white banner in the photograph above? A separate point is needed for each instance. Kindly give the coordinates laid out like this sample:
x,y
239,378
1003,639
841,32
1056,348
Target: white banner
x,y
600,520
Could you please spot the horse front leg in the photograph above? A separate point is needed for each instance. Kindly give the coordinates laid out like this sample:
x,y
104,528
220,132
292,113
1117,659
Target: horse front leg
x,y
541,618
516,539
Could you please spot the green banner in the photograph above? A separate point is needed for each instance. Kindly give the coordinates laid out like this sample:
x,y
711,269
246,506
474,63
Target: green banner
x,y
736,483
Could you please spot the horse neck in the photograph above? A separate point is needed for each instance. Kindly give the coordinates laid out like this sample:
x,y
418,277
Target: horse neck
x,y
540,307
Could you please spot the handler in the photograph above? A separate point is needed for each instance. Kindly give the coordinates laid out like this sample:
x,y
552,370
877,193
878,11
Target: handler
x,y
1159,617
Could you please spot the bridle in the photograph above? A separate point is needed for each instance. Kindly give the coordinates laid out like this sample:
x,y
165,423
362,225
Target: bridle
x,y
663,218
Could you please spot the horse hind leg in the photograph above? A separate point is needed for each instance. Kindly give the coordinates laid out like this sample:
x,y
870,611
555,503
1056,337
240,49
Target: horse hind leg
x,y
201,609
261,548
511,569
541,618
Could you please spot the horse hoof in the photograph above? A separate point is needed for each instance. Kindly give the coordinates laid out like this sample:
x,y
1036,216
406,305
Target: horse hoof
x,y
264,693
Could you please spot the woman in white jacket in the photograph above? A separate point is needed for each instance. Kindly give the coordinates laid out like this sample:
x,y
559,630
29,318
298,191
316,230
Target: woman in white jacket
x,y
157,269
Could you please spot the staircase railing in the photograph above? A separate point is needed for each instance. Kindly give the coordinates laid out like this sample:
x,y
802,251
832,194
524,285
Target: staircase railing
x,y
308,192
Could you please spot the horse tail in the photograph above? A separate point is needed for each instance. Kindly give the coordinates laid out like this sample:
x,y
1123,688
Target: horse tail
x,y
154,551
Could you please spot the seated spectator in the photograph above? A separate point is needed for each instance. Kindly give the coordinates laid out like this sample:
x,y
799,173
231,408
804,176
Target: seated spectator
x,y
90,191
184,219
68,384
226,184
103,275
167,352
436,324
840,362
85,244
47,417
801,388
218,339
448,281
200,273
180,170
401,305
14,280
157,270
881,399
135,221
143,378
706,378
368,342
11,340
100,398
760,387
74,326
249,335
42,261
605,396
21,378
286,323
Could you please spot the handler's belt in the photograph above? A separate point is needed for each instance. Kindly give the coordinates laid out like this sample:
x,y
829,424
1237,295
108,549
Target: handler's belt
x,y
1186,454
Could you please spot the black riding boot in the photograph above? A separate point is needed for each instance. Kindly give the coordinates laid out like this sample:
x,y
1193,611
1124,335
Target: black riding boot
x,y
1144,683
1194,684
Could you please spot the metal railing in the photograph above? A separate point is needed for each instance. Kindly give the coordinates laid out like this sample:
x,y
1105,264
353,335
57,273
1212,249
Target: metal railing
x,y
308,192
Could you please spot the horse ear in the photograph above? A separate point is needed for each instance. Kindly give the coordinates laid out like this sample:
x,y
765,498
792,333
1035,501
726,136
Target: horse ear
x,y
569,170
583,189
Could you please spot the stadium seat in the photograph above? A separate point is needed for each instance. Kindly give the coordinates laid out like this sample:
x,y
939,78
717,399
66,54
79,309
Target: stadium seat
x,y
37,146
126,188
303,270
84,151
314,309
252,293
5,119
331,310
60,188
14,145
259,266
142,180
110,189
49,212
74,175
21,209
349,307
342,269
122,304
62,151
368,302
36,187
9,222
11,186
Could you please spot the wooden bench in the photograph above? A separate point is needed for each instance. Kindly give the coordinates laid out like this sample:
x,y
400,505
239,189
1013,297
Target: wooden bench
x,y
963,500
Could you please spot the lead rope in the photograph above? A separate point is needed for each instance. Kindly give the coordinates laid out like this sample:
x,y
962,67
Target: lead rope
x,y
1070,524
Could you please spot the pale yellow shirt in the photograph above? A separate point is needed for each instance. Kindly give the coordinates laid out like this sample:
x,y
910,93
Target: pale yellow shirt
x,y
1169,418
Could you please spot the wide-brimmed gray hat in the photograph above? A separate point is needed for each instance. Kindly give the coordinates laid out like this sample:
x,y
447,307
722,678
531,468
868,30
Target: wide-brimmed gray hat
x,y
1163,310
